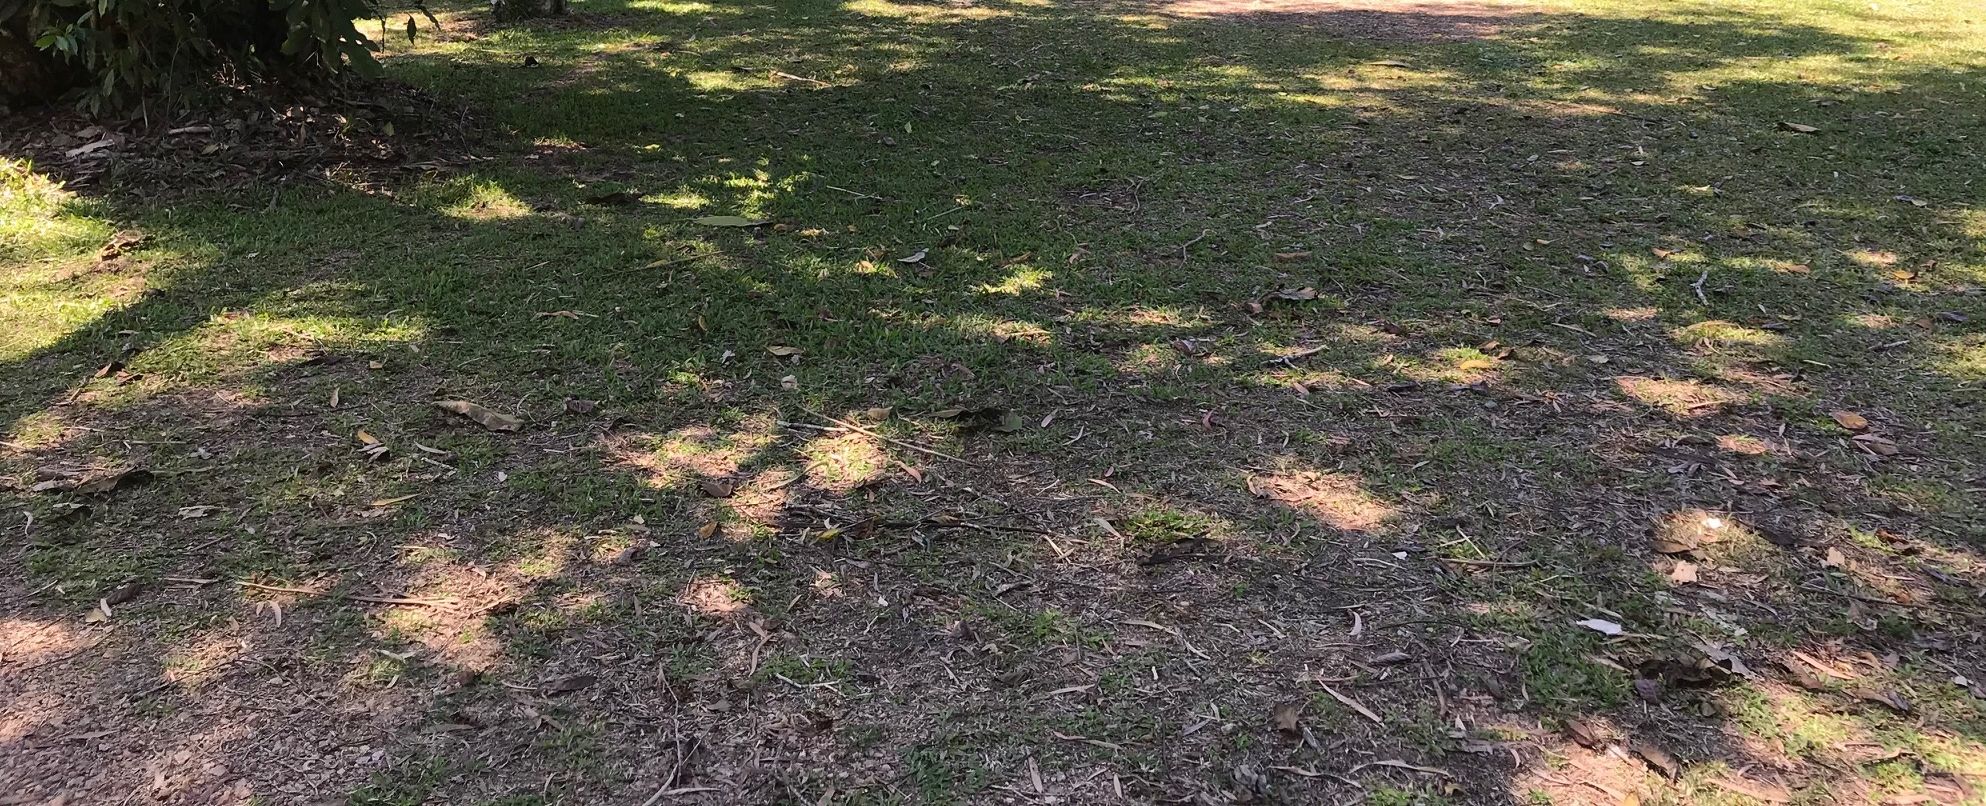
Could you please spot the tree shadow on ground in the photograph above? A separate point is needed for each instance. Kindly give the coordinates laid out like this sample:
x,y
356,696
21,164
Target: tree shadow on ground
x,y
1540,324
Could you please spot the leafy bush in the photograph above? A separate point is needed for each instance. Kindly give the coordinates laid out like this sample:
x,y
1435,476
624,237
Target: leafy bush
x,y
117,52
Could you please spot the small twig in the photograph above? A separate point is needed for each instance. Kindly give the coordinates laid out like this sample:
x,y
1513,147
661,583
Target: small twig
x,y
1698,285
856,193
1874,601
1490,563
390,600
1183,247
662,264
783,74
942,215
897,442
1292,357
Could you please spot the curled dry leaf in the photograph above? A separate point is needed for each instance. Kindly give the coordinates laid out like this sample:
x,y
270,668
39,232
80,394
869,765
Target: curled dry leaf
x,y
1658,759
1876,445
1286,717
719,488
1850,420
1587,734
122,593
1886,697
566,685
492,420
1601,626
1648,689
1798,128
709,530
115,480
783,351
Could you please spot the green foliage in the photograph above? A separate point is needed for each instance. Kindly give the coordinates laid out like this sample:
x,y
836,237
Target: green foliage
x,y
118,51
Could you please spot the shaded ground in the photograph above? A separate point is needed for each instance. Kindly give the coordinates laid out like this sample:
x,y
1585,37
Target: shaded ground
x,y
1118,403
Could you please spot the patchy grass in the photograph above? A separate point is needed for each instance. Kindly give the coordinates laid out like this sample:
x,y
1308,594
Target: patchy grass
x,y
1105,376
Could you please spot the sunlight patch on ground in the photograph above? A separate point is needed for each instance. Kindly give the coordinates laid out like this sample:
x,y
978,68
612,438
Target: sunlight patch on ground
x,y
683,7
1730,334
487,201
1682,398
689,453
1020,281
844,462
715,596
1002,330
1337,500
924,14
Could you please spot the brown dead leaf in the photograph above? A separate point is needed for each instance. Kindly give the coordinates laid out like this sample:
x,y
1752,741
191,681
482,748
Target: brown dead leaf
x,y
1286,718
709,530
494,421
1850,420
1798,128
718,488
115,480
1587,734
567,685
1887,697
1352,704
1875,444
1658,759
122,593
1684,573
783,351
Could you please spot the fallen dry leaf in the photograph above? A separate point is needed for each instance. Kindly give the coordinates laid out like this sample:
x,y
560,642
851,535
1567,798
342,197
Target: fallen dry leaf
x,y
718,488
1658,759
1352,704
1875,444
1601,626
1286,716
1850,420
566,685
494,421
729,221
1684,573
1587,734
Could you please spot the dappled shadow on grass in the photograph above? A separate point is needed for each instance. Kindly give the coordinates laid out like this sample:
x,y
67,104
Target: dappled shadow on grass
x,y
1550,305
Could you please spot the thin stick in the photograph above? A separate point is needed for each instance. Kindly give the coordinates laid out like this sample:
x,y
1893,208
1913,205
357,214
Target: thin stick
x,y
1182,247
897,442
1698,285
1490,563
662,264
784,74
942,215
856,193
391,600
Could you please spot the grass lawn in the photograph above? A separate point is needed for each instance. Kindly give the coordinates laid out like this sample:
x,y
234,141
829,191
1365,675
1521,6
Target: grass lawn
x,y
1031,401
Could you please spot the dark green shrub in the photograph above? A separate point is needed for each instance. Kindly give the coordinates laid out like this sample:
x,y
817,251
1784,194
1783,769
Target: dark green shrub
x,y
118,52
